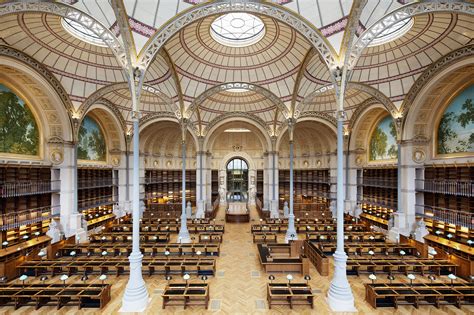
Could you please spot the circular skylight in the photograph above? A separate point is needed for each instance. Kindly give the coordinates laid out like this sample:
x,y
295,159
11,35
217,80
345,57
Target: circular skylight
x,y
79,31
237,29
393,32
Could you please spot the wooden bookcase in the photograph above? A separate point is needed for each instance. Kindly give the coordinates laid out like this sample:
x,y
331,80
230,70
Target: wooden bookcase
x,y
97,192
162,186
214,184
25,202
311,186
448,206
259,184
377,189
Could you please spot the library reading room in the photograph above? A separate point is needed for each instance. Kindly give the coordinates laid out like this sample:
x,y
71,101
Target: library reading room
x,y
237,157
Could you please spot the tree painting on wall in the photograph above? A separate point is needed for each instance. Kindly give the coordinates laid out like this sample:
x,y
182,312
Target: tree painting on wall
x,y
383,143
18,130
91,141
456,127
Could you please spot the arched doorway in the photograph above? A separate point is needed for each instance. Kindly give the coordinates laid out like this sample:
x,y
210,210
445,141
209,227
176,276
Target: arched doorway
x,y
237,180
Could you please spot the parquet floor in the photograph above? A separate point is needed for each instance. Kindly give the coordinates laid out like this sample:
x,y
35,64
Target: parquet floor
x,y
239,287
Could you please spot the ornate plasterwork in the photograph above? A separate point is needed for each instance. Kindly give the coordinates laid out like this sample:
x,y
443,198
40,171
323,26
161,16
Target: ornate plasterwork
x,y
73,14
379,96
400,14
432,72
157,115
360,110
39,68
313,35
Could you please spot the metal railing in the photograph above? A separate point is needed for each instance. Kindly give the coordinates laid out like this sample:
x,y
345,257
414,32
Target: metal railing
x,y
97,182
95,202
28,187
451,216
377,182
446,186
388,203
29,216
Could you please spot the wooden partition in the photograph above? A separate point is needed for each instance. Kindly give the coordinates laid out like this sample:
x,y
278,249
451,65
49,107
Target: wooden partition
x,y
317,258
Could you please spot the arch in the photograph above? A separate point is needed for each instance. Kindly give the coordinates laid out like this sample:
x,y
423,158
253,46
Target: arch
x,y
99,94
402,13
304,27
362,124
237,85
416,108
250,119
65,11
114,130
22,142
237,155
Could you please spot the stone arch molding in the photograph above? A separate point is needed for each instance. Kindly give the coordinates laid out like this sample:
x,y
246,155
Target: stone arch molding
x,y
405,12
305,28
71,13
237,85
232,155
256,120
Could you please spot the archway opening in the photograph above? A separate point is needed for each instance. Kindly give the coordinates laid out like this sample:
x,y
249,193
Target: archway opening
x,y
237,180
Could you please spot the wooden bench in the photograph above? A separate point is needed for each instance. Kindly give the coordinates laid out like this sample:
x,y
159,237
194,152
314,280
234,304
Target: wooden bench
x,y
186,294
82,295
289,294
437,294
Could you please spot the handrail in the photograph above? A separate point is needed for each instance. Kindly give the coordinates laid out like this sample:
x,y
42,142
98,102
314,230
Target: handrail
x,y
382,182
446,186
95,202
28,187
16,219
451,216
96,182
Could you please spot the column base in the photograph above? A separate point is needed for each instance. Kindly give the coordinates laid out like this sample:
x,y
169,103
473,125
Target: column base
x,y
135,299
291,234
201,209
184,237
340,298
394,235
274,211
81,236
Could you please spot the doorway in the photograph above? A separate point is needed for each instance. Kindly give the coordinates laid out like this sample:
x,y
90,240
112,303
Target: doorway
x,y
237,180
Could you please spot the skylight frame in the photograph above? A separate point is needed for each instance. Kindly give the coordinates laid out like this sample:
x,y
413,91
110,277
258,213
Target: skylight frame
x,y
81,32
237,29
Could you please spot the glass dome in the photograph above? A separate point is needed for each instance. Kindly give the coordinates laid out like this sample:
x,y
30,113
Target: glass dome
x,y
79,31
237,29
395,31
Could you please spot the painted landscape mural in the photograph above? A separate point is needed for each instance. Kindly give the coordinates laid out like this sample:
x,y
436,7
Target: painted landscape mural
x,y
383,143
456,127
18,130
91,141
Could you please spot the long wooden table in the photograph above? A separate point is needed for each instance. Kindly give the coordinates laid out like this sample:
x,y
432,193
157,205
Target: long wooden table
x,y
395,294
289,294
186,294
118,266
126,237
364,248
124,249
169,228
80,294
395,264
306,227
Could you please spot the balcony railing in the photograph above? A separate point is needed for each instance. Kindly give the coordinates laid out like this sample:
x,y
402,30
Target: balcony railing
x,y
28,187
24,217
387,203
96,183
463,188
95,202
451,216
377,182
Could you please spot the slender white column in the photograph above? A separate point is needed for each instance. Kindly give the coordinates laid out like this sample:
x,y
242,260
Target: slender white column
x,y
184,236
340,296
291,231
135,298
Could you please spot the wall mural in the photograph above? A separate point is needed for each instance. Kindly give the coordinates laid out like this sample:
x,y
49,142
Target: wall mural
x,y
91,141
456,127
383,143
18,130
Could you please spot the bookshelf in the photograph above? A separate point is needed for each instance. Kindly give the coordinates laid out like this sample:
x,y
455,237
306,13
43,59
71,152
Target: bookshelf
x,y
162,186
97,193
214,185
377,194
447,206
311,186
259,184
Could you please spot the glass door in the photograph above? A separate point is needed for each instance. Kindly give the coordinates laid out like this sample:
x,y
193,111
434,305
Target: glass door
x,y
237,180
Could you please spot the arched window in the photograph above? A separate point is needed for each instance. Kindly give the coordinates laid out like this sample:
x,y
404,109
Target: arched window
x,y
91,141
455,132
237,180
18,129
383,142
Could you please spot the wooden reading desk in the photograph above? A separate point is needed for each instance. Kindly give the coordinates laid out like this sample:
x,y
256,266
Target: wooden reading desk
x,y
289,294
186,294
